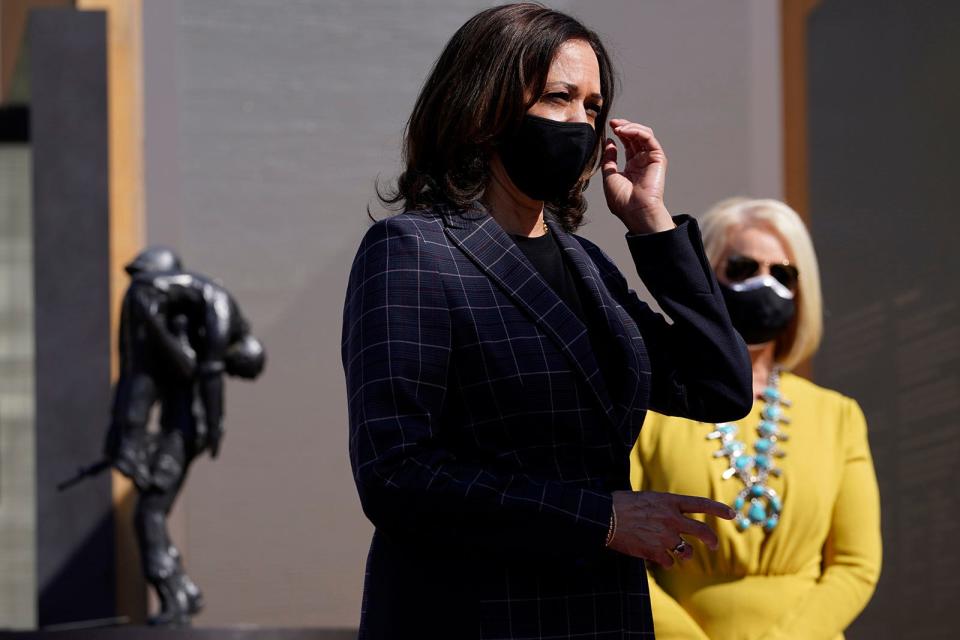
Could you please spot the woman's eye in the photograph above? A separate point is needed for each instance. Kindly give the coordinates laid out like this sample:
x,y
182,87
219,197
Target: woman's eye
x,y
560,96
595,108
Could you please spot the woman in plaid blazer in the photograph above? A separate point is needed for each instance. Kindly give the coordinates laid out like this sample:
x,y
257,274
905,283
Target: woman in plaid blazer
x,y
498,367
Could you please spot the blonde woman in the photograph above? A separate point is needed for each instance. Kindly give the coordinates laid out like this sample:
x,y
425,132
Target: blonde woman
x,y
802,557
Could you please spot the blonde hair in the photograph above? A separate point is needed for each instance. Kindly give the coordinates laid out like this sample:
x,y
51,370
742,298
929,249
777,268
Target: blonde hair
x,y
801,339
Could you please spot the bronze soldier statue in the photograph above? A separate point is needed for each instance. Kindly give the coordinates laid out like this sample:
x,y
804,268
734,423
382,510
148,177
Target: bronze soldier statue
x,y
180,332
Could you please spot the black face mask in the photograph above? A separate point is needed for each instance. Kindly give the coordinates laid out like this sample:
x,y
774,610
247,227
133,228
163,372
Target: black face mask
x,y
760,308
546,158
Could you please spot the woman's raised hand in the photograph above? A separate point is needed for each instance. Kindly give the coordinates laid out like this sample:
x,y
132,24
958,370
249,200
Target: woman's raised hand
x,y
651,524
635,194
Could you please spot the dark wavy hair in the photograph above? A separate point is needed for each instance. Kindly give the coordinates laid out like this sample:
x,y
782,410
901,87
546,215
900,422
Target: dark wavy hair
x,y
490,73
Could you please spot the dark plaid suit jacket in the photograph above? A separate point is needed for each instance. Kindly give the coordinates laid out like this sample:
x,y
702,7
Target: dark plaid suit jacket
x,y
484,441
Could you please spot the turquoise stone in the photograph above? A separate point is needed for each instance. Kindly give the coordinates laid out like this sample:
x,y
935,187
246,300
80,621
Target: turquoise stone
x,y
752,460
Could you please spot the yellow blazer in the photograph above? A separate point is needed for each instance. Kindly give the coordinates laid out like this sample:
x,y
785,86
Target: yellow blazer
x,y
812,575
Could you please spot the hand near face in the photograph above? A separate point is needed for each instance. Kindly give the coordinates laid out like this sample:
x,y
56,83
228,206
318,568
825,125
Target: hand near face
x,y
635,193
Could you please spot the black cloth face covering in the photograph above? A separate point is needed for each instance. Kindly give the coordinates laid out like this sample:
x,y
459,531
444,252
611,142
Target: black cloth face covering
x,y
760,308
545,158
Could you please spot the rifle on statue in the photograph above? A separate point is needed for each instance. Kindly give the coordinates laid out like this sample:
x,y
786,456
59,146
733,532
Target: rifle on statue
x,y
83,473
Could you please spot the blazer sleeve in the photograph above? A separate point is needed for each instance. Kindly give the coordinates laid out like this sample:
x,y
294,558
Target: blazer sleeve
x,y
700,364
396,351
853,553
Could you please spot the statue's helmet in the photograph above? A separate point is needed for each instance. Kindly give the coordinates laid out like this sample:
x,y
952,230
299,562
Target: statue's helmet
x,y
245,358
155,260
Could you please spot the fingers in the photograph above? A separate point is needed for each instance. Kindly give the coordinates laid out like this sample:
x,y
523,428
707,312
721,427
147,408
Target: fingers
x,y
668,556
638,140
653,526
682,550
699,530
696,504
608,161
662,558
626,125
633,139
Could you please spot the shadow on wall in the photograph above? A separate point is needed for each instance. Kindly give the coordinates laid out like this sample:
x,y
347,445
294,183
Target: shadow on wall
x,y
60,601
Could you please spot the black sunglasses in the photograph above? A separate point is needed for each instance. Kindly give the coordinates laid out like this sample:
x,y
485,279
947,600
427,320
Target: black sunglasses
x,y
740,268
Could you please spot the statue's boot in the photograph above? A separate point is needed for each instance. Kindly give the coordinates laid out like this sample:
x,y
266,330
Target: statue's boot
x,y
195,601
174,605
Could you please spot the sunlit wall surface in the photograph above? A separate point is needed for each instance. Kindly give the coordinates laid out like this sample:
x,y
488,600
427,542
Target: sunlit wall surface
x,y
17,487
266,124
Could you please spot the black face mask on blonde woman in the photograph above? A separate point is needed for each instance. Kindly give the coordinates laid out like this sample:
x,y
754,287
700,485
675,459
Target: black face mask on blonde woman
x,y
760,308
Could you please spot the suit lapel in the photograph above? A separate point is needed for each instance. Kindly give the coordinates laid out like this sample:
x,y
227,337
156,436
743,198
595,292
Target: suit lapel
x,y
618,323
483,240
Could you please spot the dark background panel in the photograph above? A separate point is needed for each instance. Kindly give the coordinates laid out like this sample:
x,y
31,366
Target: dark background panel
x,y
14,124
884,103
75,550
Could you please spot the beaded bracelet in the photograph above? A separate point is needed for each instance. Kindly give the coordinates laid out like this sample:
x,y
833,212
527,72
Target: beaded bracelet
x,y
612,529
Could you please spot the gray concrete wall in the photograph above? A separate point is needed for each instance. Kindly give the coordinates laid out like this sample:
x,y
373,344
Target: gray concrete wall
x,y
266,125
18,577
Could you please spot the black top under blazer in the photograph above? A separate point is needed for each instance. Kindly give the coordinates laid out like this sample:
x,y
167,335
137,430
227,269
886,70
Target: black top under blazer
x,y
484,441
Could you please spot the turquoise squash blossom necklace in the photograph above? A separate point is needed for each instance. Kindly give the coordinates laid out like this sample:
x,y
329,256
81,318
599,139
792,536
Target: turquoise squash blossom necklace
x,y
756,504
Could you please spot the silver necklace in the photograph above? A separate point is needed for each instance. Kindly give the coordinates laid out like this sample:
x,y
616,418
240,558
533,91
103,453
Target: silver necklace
x,y
756,504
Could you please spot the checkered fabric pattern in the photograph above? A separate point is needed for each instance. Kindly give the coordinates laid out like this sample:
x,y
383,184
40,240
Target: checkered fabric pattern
x,y
484,441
